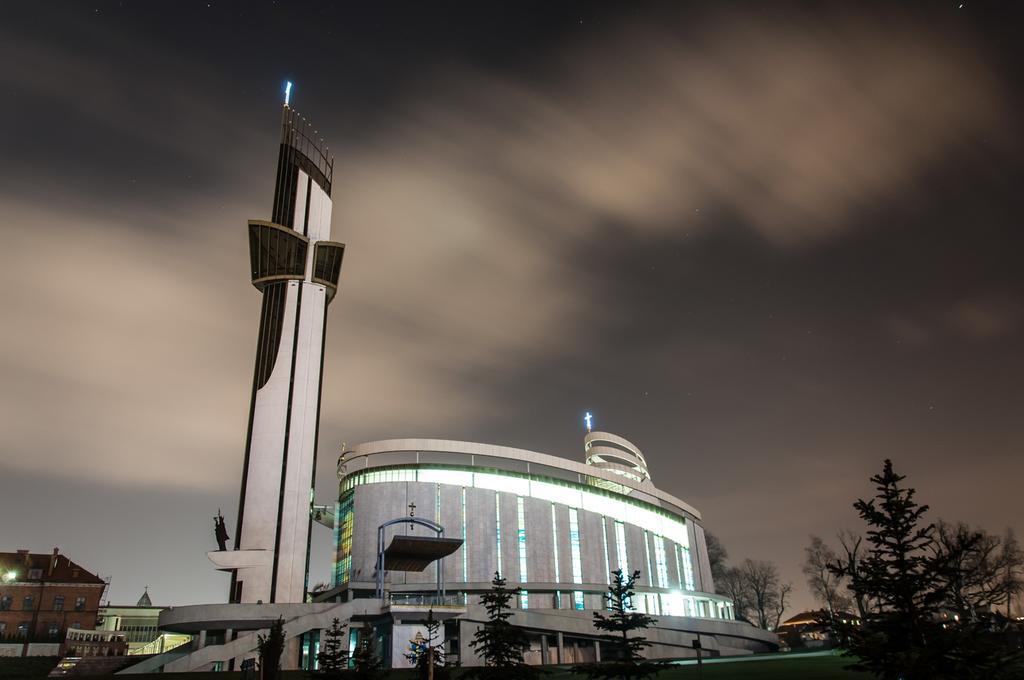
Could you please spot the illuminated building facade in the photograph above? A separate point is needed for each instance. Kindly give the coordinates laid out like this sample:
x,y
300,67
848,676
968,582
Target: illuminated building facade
x,y
553,526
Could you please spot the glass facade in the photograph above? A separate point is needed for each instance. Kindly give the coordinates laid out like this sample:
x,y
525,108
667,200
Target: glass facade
x,y
465,552
521,543
497,529
327,263
575,495
577,562
651,529
344,521
620,547
661,564
687,567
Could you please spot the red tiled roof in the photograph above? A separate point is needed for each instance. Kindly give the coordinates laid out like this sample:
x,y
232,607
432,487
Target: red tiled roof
x,y
64,570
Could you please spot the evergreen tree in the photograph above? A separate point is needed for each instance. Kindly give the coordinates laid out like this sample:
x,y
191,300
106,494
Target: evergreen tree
x,y
333,656
499,642
366,665
271,647
899,576
628,660
908,580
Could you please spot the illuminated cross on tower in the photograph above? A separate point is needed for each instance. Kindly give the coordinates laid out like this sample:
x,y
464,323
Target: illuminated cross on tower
x,y
589,420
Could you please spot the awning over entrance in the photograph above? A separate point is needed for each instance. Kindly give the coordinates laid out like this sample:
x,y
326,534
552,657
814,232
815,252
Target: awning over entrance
x,y
416,553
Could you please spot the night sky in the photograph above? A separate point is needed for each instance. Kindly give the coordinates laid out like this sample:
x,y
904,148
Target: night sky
x,y
770,244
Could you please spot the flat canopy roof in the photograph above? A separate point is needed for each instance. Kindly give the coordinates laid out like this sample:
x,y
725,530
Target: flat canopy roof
x,y
416,553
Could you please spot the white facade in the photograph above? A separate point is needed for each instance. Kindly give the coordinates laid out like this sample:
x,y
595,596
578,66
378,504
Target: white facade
x,y
295,266
552,526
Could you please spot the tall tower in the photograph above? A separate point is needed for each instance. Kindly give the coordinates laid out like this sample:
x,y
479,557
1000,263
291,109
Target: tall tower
x,y
296,267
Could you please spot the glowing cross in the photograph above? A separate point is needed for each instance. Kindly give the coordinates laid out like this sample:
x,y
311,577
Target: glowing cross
x,y
287,92
589,420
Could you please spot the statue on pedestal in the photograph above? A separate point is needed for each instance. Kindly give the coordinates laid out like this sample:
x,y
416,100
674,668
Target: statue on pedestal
x,y
220,531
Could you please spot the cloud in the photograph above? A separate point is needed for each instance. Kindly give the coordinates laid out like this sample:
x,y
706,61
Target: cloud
x,y
983,319
128,347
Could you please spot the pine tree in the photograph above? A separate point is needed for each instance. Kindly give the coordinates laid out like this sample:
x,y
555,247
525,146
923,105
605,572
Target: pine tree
x,y
271,647
333,656
910,582
499,642
366,665
627,650
899,575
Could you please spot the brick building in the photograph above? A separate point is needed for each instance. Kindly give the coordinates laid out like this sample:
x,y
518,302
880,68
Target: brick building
x,y
43,595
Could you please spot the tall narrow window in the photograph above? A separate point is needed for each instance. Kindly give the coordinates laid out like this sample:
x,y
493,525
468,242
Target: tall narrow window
x,y
647,558
521,540
687,568
465,544
497,527
344,523
554,541
679,566
659,561
554,551
620,547
604,545
577,561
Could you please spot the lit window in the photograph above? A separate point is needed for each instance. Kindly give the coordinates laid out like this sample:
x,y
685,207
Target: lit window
x,y
497,525
604,545
344,523
659,557
521,540
577,562
647,559
606,503
620,547
464,548
687,568
79,604
554,541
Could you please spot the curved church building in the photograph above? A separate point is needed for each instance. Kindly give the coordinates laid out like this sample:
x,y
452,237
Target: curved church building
x,y
422,525
553,526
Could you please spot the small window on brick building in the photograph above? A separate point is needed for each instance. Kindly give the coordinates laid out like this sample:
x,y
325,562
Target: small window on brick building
x,y
28,602
23,628
79,603
53,629
5,602
3,628
58,603
35,574
76,625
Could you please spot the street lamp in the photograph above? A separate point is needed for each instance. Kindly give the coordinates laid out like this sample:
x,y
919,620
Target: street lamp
x,y
10,576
